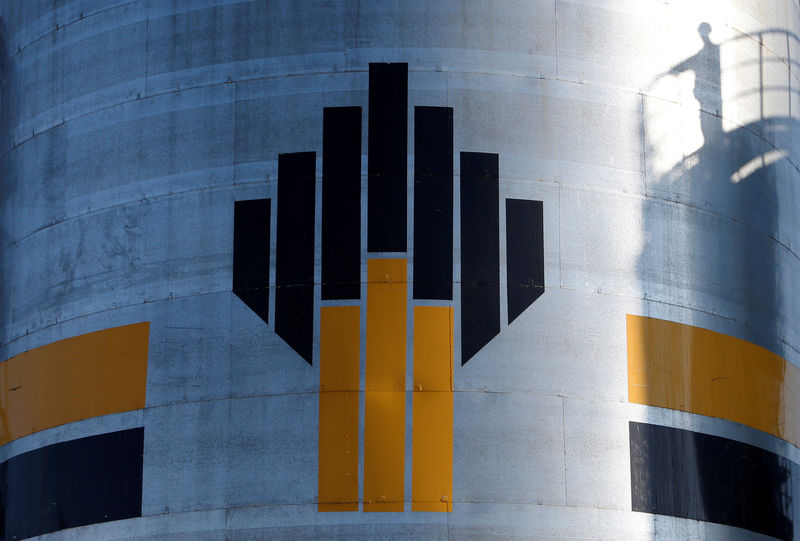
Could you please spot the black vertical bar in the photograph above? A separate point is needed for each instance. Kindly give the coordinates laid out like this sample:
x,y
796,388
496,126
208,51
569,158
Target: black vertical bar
x,y
341,203
294,255
525,254
480,251
74,483
433,203
388,149
251,228
697,476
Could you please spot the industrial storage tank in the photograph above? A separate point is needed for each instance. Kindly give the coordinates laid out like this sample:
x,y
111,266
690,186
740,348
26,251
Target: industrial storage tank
x,y
455,269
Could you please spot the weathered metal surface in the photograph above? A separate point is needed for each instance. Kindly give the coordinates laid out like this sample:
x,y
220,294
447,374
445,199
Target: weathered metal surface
x,y
661,139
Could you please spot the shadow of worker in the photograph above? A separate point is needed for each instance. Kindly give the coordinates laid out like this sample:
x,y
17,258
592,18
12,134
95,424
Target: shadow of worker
x,y
735,176
716,253
708,82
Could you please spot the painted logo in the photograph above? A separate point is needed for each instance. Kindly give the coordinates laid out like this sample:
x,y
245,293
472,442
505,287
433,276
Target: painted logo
x,y
384,312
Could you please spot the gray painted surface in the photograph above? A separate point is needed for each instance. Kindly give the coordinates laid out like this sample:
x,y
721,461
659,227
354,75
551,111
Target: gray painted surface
x,y
128,128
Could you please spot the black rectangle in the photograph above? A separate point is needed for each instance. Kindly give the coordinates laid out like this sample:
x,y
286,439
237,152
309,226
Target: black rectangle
x,y
251,230
388,149
70,484
294,252
341,203
691,475
525,254
433,203
480,251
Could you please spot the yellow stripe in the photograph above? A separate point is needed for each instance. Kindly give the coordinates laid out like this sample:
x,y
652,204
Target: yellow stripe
x,y
339,348
676,366
432,448
85,376
384,451
338,408
384,430
338,451
386,325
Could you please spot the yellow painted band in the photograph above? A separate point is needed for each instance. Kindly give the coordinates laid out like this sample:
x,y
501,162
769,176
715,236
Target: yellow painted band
x,y
384,451
77,378
386,325
432,441
686,368
338,408
384,423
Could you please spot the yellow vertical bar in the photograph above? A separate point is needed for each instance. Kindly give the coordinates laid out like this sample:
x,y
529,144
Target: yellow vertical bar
x,y
338,408
384,423
432,447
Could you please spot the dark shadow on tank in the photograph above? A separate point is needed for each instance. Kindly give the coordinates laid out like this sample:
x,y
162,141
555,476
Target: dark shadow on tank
x,y
719,251
733,176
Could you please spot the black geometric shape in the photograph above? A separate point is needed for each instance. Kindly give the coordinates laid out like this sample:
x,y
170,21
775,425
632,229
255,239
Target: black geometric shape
x,y
433,203
387,162
686,474
525,254
73,483
251,230
480,251
341,203
294,254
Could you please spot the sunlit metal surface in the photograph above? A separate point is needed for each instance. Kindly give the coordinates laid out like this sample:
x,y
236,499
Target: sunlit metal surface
x,y
661,139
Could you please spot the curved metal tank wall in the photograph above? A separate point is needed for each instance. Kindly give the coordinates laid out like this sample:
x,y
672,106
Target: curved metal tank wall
x,y
660,139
